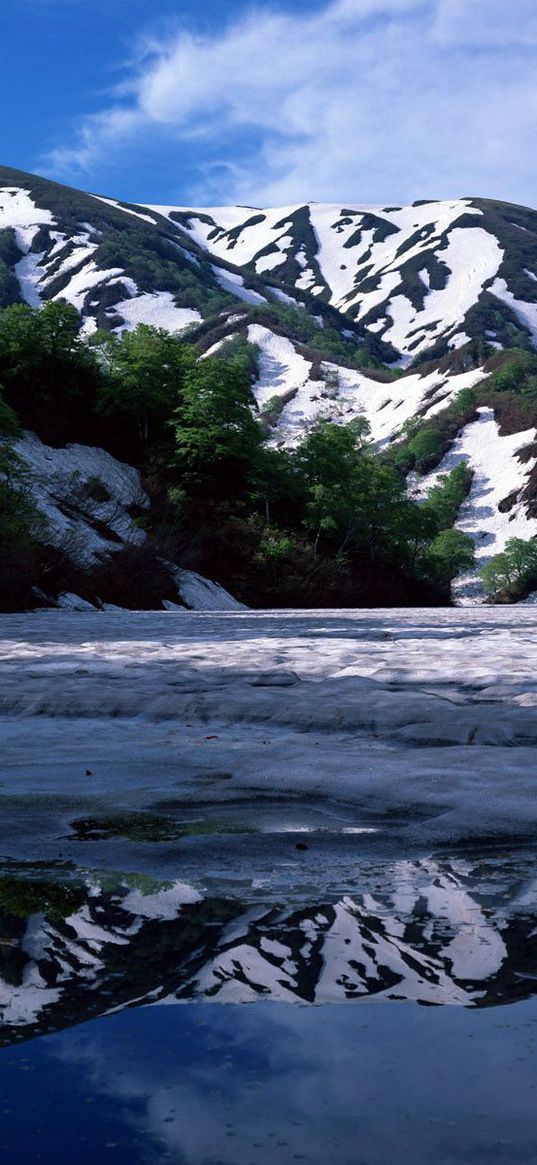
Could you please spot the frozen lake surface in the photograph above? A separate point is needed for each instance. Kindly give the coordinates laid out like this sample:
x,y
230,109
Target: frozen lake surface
x,y
331,809
418,725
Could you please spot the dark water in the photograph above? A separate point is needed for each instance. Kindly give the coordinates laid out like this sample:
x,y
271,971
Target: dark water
x,y
391,1024
238,1085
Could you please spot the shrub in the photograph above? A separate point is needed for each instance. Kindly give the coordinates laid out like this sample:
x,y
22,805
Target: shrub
x,y
514,571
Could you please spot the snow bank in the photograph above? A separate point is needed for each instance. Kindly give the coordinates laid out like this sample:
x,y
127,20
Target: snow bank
x,y
281,367
526,312
341,394
232,282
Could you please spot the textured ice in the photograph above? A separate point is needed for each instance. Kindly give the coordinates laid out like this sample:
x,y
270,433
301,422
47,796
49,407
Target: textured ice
x,y
422,721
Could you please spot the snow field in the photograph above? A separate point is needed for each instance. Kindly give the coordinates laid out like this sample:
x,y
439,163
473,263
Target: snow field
x,y
157,308
471,255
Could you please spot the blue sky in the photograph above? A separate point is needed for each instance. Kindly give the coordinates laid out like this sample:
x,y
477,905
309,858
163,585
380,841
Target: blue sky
x,y
274,101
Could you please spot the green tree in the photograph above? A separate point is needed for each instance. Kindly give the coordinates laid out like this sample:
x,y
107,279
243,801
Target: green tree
x,y
445,498
38,345
449,553
9,422
354,498
144,374
50,377
512,571
277,486
519,368
426,448
217,438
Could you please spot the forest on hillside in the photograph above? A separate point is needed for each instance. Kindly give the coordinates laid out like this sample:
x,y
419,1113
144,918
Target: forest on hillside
x,y
328,522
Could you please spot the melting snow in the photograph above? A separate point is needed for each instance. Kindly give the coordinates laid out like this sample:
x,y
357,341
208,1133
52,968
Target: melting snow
x,y
498,472
157,308
233,283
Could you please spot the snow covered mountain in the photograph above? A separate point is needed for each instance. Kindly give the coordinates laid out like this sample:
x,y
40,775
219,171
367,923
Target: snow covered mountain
x,y
408,279
437,932
413,276
386,312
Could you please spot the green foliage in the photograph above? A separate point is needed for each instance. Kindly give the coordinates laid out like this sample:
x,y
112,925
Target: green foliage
x,y
9,422
311,523
216,435
10,254
49,374
300,325
22,897
277,485
425,448
449,553
18,516
444,499
154,261
354,499
21,528
425,442
144,374
518,374
512,572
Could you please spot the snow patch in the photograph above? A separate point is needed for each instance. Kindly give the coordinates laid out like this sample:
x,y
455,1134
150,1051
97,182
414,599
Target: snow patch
x,y
233,283
498,472
157,308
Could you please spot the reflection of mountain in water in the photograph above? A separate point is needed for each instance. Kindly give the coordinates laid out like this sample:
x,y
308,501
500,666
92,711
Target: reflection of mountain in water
x,y
436,932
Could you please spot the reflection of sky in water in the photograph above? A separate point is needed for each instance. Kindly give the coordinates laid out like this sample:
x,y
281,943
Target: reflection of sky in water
x,y
274,1084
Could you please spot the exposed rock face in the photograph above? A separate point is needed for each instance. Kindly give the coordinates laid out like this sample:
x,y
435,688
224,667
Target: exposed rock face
x,y
87,501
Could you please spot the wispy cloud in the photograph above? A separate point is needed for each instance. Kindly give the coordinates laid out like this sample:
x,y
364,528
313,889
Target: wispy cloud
x,y
367,99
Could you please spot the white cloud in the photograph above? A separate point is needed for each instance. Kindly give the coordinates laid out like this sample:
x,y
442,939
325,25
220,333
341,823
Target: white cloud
x,y
369,100
483,23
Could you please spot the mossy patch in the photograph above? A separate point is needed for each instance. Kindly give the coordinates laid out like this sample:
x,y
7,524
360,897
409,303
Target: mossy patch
x,y
148,827
22,897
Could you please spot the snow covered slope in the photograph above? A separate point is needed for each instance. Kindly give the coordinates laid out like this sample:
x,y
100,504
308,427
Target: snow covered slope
x,y
497,507
405,279
410,275
117,266
328,294
300,393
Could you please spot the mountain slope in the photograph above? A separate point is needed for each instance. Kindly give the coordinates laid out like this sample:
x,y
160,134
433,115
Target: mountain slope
x,y
415,276
382,312
119,265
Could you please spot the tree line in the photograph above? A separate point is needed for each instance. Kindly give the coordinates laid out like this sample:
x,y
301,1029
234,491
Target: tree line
x,y
330,521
